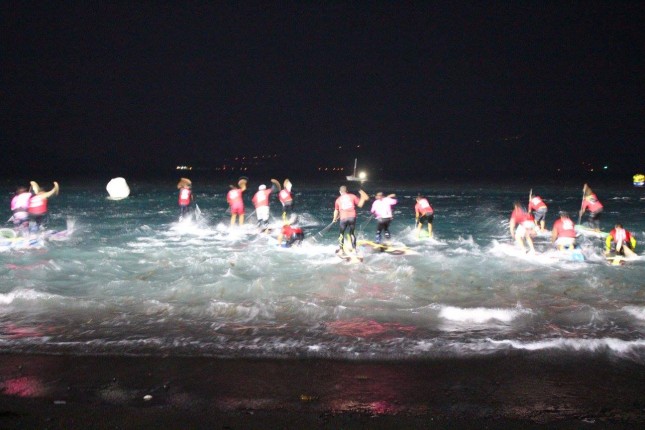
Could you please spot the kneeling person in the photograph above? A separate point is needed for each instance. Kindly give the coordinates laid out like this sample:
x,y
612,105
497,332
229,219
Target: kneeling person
x,y
620,241
290,235
563,234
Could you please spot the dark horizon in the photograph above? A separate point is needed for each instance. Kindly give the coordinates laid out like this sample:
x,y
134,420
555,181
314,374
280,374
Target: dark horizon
x,y
478,90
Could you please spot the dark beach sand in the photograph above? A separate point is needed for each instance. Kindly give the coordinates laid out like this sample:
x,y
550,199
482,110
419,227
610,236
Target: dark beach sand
x,y
513,391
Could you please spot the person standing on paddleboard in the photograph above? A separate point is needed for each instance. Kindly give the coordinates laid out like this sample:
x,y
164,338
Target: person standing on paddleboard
x,y
38,213
382,211
20,207
591,203
185,197
345,210
621,241
525,225
261,202
538,208
563,234
423,214
286,198
235,201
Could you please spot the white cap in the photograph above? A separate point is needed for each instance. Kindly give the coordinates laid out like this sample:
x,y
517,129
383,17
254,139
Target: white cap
x,y
262,187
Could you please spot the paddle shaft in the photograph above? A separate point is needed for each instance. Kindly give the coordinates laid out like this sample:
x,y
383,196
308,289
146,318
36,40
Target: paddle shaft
x,y
582,203
326,228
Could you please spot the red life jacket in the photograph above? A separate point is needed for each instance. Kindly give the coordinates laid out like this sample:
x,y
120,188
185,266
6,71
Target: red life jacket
x,y
592,203
564,228
184,196
423,207
284,196
37,205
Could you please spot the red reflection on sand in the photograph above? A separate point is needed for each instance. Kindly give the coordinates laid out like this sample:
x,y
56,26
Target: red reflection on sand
x,y
23,386
15,332
358,327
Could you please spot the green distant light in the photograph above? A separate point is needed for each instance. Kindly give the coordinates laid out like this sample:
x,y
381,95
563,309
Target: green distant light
x,y
606,167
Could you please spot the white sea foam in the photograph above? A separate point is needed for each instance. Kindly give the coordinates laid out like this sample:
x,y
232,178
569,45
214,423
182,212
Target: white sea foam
x,y
480,315
576,344
637,312
26,295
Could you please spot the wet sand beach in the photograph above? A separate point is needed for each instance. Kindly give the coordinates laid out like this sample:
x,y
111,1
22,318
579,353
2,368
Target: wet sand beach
x,y
517,390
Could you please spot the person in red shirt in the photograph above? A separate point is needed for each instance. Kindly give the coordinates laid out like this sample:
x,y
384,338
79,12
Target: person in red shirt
x,y
345,211
591,203
563,234
261,202
286,198
234,199
521,226
538,209
185,197
291,234
621,241
37,209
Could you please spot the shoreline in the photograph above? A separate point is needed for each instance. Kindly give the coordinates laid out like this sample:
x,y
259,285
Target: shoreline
x,y
510,391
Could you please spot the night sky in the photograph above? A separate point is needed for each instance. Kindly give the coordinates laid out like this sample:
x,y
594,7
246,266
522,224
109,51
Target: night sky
x,y
425,88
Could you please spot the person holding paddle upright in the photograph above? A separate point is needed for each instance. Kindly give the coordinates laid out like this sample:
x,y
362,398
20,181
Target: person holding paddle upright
x,y
345,211
185,197
538,208
591,203
234,199
286,198
38,212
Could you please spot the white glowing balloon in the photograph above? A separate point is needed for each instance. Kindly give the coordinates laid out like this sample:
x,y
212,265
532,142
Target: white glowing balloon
x,y
118,189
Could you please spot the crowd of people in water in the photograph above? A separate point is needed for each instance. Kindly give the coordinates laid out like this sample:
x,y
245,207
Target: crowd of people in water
x,y
524,224
30,214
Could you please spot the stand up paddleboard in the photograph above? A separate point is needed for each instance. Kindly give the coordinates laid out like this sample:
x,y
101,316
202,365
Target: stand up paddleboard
x,y
587,231
619,260
10,240
390,248
350,257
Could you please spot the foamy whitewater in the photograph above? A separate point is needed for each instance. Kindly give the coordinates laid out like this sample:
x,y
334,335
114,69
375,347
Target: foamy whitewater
x,y
131,279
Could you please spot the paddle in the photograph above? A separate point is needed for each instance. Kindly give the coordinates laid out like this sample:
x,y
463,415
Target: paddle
x,y
530,197
366,222
320,233
584,188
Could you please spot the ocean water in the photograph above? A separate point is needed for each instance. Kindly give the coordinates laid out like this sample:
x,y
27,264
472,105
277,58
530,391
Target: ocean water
x,y
132,280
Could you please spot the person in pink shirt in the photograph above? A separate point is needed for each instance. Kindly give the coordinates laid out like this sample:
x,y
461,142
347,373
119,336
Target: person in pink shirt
x,y
382,211
19,207
345,211
424,214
